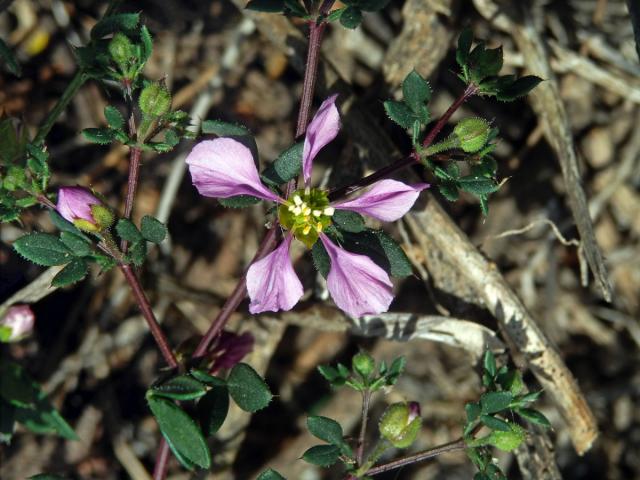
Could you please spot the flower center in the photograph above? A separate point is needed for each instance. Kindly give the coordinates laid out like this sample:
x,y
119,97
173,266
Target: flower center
x,y
306,213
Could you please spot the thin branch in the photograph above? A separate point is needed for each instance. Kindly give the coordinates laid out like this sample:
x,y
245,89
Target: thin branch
x,y
366,400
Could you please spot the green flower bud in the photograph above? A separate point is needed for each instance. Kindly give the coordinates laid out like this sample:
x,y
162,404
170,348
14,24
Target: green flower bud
x,y
507,441
121,49
363,364
401,423
472,134
155,99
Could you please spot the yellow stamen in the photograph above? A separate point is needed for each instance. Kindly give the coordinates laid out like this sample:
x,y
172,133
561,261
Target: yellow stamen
x,y
319,227
306,210
306,230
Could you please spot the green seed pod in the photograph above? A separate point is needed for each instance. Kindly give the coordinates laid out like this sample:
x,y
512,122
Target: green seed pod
x,y
155,99
363,363
121,49
401,423
472,133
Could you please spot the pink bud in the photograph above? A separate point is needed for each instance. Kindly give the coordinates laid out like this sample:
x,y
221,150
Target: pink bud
x,y
74,203
230,349
17,323
414,411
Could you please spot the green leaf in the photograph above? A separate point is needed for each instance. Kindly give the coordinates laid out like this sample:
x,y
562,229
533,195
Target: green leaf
x,y
213,408
270,6
321,259
464,46
328,372
534,416
519,88
473,411
147,44
152,229
381,248
181,432
73,272
115,23
416,91
225,129
16,387
530,397
9,59
128,231
47,476
63,224
488,65
395,370
322,455
270,474
325,429
42,249
348,221
293,7
477,185
400,113
114,117
286,167
206,378
511,381
138,252
489,363
239,201
78,245
493,402
248,389
181,387
101,136
351,17
495,423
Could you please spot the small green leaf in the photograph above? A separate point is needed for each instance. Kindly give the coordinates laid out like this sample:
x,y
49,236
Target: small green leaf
x,y
128,231
416,91
42,249
325,429
270,474
488,65
181,432
9,59
114,117
138,252
181,387
351,17
534,416
328,372
294,8
152,229
62,224
348,221
400,113
530,397
464,46
73,272
322,455
115,23
449,190
519,88
381,248
224,129
395,370
477,185
269,6
101,136
286,167
493,402
495,423
248,389
239,201
511,381
78,245
147,44
473,411
489,363
206,378
213,408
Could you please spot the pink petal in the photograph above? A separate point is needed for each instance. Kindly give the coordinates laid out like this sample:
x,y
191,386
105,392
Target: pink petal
x,y
323,128
19,319
230,349
357,285
224,168
74,203
387,200
272,283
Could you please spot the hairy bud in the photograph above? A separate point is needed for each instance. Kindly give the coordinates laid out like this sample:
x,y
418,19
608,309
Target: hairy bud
x,y
121,49
83,209
401,423
155,99
17,323
472,134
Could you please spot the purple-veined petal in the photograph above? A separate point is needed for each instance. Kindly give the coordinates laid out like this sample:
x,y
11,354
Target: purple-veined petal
x,y
223,168
74,203
357,285
387,200
272,283
323,128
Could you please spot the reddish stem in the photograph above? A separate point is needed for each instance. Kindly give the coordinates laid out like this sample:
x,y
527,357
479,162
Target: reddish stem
x,y
162,460
470,91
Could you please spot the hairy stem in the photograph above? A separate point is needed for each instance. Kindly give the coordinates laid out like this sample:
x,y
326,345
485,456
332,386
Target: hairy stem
x,y
310,74
413,158
418,457
149,316
366,400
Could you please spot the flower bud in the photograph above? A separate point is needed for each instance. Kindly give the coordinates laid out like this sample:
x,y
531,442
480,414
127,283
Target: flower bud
x,y
83,209
121,49
472,133
401,423
17,323
155,99
507,441
363,364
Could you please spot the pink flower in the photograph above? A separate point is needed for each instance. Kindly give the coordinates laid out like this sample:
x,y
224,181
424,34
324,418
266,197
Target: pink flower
x,y
74,203
17,323
230,349
224,168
